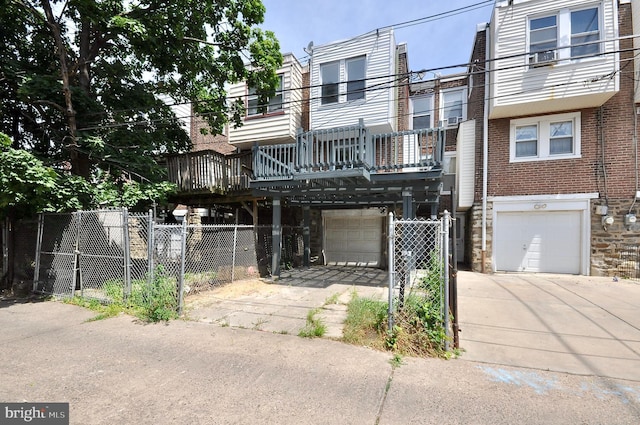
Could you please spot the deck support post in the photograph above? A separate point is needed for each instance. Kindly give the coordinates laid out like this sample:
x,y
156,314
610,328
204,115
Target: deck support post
x,y
276,238
306,235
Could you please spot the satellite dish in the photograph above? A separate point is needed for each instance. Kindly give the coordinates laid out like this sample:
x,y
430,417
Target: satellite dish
x,y
309,48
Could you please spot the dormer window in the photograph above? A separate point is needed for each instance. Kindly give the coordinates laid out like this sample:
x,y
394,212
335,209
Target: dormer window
x,y
274,103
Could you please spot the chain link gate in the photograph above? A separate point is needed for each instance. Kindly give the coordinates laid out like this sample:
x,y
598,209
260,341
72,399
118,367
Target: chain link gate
x,y
86,251
115,256
419,270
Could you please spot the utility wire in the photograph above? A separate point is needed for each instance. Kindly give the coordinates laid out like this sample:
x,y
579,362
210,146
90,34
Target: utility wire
x,y
378,87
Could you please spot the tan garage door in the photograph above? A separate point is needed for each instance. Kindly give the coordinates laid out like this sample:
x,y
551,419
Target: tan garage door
x,y
353,237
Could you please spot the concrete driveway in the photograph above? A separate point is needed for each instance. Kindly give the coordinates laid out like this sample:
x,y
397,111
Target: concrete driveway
x,y
576,324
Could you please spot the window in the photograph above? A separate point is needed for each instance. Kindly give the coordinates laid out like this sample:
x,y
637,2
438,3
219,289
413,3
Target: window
x,y
274,103
422,107
545,138
343,80
330,74
355,78
452,106
584,30
543,34
566,35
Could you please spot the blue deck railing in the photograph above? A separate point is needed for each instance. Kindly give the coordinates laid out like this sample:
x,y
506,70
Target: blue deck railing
x,y
332,151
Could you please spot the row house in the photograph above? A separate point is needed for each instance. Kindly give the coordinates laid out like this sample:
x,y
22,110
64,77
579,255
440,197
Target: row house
x,y
534,147
347,139
552,111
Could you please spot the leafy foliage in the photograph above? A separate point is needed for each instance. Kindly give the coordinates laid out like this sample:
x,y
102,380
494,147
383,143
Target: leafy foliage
x,y
86,86
153,301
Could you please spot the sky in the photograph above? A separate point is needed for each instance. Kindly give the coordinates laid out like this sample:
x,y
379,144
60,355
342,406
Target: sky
x,y
440,42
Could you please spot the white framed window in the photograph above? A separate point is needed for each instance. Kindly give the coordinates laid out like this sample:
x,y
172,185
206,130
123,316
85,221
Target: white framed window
x,y
330,75
274,103
585,32
545,138
421,111
569,34
452,106
355,78
343,80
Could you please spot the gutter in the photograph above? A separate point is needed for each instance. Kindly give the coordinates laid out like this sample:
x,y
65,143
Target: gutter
x,y
485,149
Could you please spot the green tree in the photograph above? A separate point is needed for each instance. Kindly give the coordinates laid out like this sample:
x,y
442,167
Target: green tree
x,y
85,84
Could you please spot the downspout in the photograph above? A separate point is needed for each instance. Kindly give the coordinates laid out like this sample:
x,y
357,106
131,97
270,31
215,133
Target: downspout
x,y
485,150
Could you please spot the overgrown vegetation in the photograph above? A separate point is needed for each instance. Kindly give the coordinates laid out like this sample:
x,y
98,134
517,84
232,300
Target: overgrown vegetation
x,y
315,326
417,329
153,301
366,322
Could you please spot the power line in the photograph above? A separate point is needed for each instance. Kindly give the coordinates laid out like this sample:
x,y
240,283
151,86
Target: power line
x,y
386,85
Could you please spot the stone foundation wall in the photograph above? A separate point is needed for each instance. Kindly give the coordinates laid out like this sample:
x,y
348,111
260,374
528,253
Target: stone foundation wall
x,y
607,245
609,252
474,234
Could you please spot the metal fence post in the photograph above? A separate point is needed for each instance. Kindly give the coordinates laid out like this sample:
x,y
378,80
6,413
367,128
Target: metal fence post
x,y
36,272
183,259
126,252
77,217
233,256
392,269
446,222
150,247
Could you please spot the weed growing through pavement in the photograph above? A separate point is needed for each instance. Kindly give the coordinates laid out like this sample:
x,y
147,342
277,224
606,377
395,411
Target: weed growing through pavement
x,y
396,361
333,299
314,327
150,301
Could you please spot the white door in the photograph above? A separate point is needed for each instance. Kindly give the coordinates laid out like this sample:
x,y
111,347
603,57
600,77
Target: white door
x,y
547,242
353,237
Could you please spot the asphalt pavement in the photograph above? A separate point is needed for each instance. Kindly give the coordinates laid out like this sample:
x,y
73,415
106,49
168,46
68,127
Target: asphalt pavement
x,y
123,371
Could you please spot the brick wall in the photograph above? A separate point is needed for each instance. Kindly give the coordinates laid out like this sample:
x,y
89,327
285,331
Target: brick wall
x,y
607,166
403,90
208,141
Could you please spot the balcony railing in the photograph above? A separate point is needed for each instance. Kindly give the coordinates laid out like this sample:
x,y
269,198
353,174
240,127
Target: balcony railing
x,y
349,150
210,171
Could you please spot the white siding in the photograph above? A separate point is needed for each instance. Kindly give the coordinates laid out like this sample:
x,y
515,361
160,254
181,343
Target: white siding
x,y
378,109
275,128
465,164
552,88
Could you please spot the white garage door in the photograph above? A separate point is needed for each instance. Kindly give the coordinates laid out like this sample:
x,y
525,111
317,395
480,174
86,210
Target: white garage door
x,y
353,237
546,242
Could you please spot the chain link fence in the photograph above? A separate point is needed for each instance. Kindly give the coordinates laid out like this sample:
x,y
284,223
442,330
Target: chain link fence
x,y
629,265
115,256
418,275
22,236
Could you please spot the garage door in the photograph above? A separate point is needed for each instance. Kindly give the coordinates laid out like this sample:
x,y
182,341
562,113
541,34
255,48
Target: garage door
x,y
353,238
546,242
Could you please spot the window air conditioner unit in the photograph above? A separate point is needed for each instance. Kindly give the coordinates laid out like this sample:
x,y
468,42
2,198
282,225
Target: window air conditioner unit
x,y
542,58
453,120
449,122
